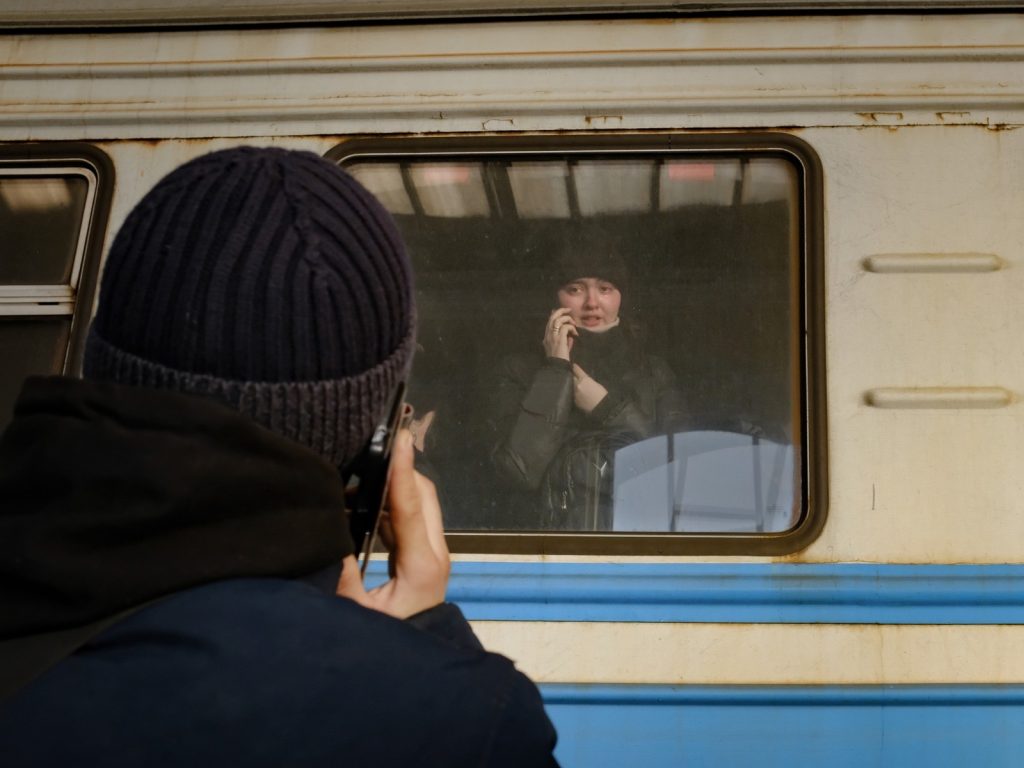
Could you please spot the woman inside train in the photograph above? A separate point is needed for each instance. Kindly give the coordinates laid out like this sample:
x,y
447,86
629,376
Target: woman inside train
x,y
590,389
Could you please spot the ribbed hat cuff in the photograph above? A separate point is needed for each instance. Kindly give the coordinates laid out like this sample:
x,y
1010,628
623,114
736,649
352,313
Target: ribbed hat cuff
x,y
334,417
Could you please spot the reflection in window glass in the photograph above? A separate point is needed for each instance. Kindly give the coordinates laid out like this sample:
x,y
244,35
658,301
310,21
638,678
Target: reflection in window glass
x,y
622,357
540,189
40,221
766,181
386,182
613,186
704,482
29,346
450,190
690,182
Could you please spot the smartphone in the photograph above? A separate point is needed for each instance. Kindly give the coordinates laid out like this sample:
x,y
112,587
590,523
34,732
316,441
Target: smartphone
x,y
373,471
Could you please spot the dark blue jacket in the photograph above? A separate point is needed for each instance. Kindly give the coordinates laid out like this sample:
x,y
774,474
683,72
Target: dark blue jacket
x,y
113,498
268,672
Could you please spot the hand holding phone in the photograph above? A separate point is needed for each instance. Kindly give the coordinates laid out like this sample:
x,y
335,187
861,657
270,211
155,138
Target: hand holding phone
x,y
419,558
559,333
373,470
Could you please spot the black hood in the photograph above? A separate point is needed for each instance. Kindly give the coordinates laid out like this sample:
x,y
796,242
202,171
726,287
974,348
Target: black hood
x,y
111,496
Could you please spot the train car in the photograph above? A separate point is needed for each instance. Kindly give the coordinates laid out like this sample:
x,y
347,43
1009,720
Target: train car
x,y
815,215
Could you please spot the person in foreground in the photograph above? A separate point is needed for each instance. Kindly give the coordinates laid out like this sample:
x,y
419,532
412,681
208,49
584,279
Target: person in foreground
x,y
255,318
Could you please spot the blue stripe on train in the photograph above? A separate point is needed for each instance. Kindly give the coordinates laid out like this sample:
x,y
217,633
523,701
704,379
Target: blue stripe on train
x,y
787,726
739,592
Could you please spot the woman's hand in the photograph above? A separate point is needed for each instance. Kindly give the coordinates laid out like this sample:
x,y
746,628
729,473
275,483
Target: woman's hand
x,y
587,392
559,333
419,560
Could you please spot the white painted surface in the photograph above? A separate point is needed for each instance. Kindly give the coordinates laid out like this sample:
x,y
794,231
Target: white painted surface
x,y
948,398
573,75
923,485
758,654
932,263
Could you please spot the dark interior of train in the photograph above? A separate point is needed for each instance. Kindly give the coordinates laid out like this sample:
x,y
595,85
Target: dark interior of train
x,y
40,218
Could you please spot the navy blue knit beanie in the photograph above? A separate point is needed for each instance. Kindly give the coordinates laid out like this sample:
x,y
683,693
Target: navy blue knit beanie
x,y
269,280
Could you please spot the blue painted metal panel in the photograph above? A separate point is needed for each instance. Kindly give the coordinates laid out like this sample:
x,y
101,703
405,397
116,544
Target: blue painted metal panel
x,y
787,726
739,592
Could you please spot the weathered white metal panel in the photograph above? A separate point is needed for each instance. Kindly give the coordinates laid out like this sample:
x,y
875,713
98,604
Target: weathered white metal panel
x,y
933,484
575,75
758,654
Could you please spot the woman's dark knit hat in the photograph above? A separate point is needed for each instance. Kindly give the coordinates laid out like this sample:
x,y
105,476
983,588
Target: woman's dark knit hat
x,y
590,251
269,280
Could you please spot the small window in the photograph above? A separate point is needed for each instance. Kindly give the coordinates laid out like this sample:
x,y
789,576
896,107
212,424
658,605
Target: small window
x,y
53,203
616,338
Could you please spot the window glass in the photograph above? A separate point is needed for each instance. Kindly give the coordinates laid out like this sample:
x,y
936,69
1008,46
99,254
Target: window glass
x,y
766,181
29,346
609,342
388,185
44,208
40,222
541,190
450,189
613,186
684,183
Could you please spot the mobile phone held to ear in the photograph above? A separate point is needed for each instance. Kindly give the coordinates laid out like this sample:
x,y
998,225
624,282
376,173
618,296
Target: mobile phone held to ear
x,y
373,470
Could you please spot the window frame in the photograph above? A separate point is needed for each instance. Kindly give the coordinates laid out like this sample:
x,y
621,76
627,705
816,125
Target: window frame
x,y
811,403
74,299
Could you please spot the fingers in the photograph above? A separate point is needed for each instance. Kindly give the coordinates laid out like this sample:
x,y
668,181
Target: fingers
x,y
427,420
571,334
419,564
556,313
419,428
432,519
420,557
559,319
562,334
350,584
559,332
404,501
563,320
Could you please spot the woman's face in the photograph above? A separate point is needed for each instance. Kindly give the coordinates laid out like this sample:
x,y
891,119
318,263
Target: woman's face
x,y
593,303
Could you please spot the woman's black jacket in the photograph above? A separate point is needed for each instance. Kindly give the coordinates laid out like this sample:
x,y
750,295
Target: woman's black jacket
x,y
537,416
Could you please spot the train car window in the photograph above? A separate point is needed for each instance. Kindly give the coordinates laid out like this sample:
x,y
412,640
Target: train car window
x,y
613,346
53,202
41,218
